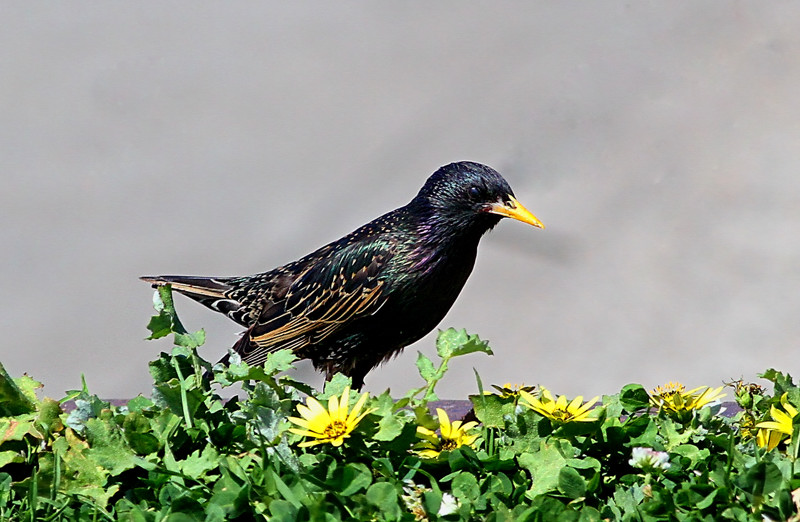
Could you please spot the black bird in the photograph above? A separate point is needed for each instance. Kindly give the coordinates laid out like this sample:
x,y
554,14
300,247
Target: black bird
x,y
358,301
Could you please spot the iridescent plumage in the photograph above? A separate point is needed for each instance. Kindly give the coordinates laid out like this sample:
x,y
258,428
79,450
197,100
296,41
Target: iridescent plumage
x,y
357,301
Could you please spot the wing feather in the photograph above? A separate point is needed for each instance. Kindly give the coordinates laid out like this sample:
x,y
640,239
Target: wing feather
x,y
328,294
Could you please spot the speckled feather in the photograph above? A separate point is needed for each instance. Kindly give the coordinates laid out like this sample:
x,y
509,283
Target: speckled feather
x,y
357,301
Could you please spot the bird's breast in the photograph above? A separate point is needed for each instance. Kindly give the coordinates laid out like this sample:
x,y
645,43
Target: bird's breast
x,y
430,285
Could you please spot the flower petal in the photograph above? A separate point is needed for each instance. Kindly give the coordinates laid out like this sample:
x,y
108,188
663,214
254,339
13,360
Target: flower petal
x,y
306,433
355,416
444,423
298,421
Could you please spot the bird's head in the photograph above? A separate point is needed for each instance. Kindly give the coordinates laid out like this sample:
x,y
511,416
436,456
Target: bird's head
x,y
471,197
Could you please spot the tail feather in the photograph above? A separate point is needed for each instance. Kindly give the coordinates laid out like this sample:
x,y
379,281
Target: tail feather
x,y
212,292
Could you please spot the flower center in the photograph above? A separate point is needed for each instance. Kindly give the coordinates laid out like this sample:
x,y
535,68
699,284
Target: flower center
x,y
563,415
449,444
335,429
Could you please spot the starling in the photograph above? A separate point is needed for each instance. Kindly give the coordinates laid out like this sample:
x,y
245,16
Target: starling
x,y
356,302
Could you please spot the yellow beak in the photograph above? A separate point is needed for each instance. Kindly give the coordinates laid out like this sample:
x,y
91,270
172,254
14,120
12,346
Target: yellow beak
x,y
515,210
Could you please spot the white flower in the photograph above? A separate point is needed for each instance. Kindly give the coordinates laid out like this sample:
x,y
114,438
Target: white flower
x,y
450,505
413,501
649,459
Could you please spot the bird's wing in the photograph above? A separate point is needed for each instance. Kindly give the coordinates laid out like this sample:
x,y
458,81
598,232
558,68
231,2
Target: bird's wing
x,y
335,289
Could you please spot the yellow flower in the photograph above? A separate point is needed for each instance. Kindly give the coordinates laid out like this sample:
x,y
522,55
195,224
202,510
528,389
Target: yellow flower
x,y
747,426
453,435
770,433
509,390
768,438
560,410
674,397
705,397
331,425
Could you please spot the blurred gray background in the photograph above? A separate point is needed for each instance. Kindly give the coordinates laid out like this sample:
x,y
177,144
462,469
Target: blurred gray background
x,y
658,141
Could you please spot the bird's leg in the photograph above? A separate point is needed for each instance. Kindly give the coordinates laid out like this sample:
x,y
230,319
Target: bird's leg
x,y
355,376
358,379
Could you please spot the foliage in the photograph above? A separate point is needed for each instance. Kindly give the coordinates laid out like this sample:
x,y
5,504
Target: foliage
x,y
187,454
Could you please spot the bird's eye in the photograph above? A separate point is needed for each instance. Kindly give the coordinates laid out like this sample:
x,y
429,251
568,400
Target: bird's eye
x,y
474,192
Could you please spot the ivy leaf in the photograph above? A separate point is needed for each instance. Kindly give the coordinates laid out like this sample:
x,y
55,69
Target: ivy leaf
x,y
238,370
492,410
107,445
18,427
279,361
383,496
191,340
336,386
633,398
351,478
571,483
160,326
544,467
425,366
199,463
390,426
82,474
166,321
783,381
229,500
138,434
453,343
16,395
139,403
465,486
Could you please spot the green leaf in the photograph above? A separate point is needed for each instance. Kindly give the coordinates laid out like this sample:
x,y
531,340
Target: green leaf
x,y
336,386
383,496
544,468
160,326
190,340
351,478
238,370
783,381
612,406
285,490
465,486
492,410
695,455
171,393
571,483
107,446
389,428
16,396
432,502
589,514
138,433
633,397
283,510
761,479
279,361
139,403
649,437
708,501
199,463
675,434
426,369
87,406
11,457
584,463
82,473
453,343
